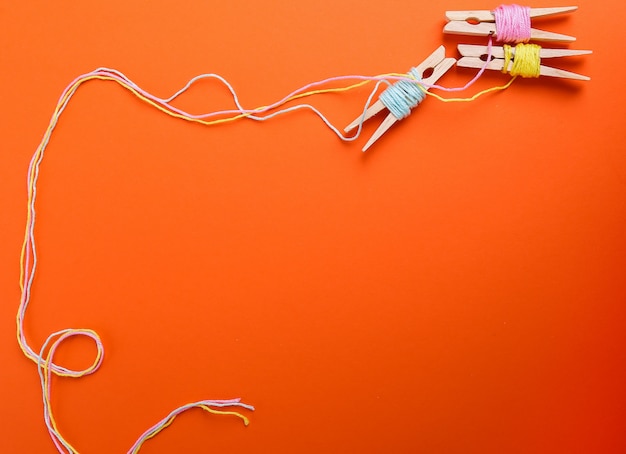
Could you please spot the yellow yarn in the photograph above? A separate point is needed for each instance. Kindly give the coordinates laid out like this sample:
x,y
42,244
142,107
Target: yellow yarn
x,y
526,61
471,98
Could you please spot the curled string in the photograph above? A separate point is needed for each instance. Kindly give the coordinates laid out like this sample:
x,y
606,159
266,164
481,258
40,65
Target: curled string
x,y
44,359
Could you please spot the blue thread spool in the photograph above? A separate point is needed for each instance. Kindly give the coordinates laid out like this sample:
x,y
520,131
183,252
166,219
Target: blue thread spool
x,y
403,96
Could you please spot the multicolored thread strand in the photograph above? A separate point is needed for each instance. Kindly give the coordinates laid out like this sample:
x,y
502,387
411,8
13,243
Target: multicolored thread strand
x,y
476,77
164,106
512,23
28,258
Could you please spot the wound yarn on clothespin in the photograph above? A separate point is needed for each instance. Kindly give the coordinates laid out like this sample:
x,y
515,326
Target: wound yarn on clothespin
x,y
512,23
507,23
526,62
403,96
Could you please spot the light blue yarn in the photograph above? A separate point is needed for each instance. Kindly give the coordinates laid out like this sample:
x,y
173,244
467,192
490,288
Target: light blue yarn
x,y
403,96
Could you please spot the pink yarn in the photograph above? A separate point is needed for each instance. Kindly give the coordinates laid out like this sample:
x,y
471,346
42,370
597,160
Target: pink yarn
x,y
512,23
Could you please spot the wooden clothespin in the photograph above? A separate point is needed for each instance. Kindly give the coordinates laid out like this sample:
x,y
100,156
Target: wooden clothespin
x,y
482,23
433,67
473,56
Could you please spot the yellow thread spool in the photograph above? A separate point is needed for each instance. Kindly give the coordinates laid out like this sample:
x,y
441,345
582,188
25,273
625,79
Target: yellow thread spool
x,y
526,61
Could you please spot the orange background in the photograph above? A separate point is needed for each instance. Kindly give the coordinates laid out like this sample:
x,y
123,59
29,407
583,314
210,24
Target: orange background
x,y
459,288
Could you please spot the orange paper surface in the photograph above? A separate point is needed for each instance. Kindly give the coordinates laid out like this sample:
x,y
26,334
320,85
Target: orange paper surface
x,y
458,289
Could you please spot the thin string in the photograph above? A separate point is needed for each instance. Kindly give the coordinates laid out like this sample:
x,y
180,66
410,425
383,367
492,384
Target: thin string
x,y
27,270
44,359
422,85
526,61
512,23
476,96
43,366
203,405
471,82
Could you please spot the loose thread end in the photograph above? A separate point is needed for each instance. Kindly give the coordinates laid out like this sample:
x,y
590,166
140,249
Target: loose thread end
x,y
245,420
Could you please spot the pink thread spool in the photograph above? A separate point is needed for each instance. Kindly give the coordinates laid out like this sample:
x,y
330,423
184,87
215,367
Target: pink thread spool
x,y
512,23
